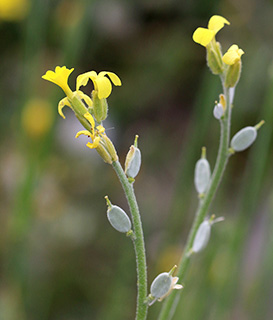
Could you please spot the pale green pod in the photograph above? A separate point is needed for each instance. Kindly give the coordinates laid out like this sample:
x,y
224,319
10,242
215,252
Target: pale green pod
x,y
202,175
133,162
161,285
218,111
202,236
244,138
119,219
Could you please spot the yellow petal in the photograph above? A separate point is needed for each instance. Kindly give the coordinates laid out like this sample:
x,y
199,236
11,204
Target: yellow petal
x,y
82,79
94,144
203,36
59,77
64,102
216,23
100,129
83,132
91,120
104,87
232,55
114,78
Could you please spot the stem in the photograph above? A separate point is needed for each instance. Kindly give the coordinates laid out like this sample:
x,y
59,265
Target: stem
x,y
169,307
139,245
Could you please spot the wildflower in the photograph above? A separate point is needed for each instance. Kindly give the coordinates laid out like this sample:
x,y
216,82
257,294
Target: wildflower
x,y
204,36
232,58
101,83
102,90
233,55
60,77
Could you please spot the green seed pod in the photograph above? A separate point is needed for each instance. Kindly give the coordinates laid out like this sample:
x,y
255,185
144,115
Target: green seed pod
x,y
133,162
202,236
161,285
218,111
118,219
202,174
244,138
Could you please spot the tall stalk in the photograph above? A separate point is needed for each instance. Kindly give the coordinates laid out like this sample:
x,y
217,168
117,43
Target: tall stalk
x,y
138,240
169,306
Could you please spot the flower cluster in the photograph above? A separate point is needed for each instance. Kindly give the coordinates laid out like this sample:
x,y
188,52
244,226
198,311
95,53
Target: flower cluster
x,y
228,64
90,111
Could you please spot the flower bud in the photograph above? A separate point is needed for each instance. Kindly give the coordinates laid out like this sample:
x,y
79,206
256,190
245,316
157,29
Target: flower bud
x,y
202,173
100,107
133,161
245,137
118,218
202,236
233,74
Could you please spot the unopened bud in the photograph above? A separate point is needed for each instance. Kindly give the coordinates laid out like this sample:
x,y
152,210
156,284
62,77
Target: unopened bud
x,y
100,107
233,74
118,218
245,137
202,173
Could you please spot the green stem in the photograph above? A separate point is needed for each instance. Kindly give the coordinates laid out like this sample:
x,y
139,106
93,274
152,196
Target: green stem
x,y
169,306
142,307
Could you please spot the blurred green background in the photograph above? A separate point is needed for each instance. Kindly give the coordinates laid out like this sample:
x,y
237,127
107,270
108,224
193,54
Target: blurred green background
x,y
59,257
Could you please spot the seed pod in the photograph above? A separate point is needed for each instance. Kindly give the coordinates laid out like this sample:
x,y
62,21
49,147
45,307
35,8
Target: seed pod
x,y
244,138
202,236
202,174
133,162
218,111
118,219
161,285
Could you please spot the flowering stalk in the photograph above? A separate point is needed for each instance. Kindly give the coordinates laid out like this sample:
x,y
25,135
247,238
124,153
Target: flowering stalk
x,y
142,306
169,307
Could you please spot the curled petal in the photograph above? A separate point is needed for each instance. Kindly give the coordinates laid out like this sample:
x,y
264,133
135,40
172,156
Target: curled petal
x,y
100,129
114,78
216,23
64,102
82,79
91,120
203,36
84,132
95,143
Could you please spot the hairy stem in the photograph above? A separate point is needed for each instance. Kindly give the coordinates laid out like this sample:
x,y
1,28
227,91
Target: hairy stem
x,y
142,307
170,304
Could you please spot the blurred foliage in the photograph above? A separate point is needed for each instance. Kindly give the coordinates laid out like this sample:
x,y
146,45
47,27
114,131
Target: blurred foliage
x,y
60,258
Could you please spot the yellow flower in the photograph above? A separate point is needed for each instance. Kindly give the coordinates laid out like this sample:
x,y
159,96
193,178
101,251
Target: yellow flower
x,y
233,55
37,118
204,36
101,83
94,133
60,77
13,10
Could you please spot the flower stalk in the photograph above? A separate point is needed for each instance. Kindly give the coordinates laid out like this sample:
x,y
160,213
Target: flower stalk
x,y
169,307
142,306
